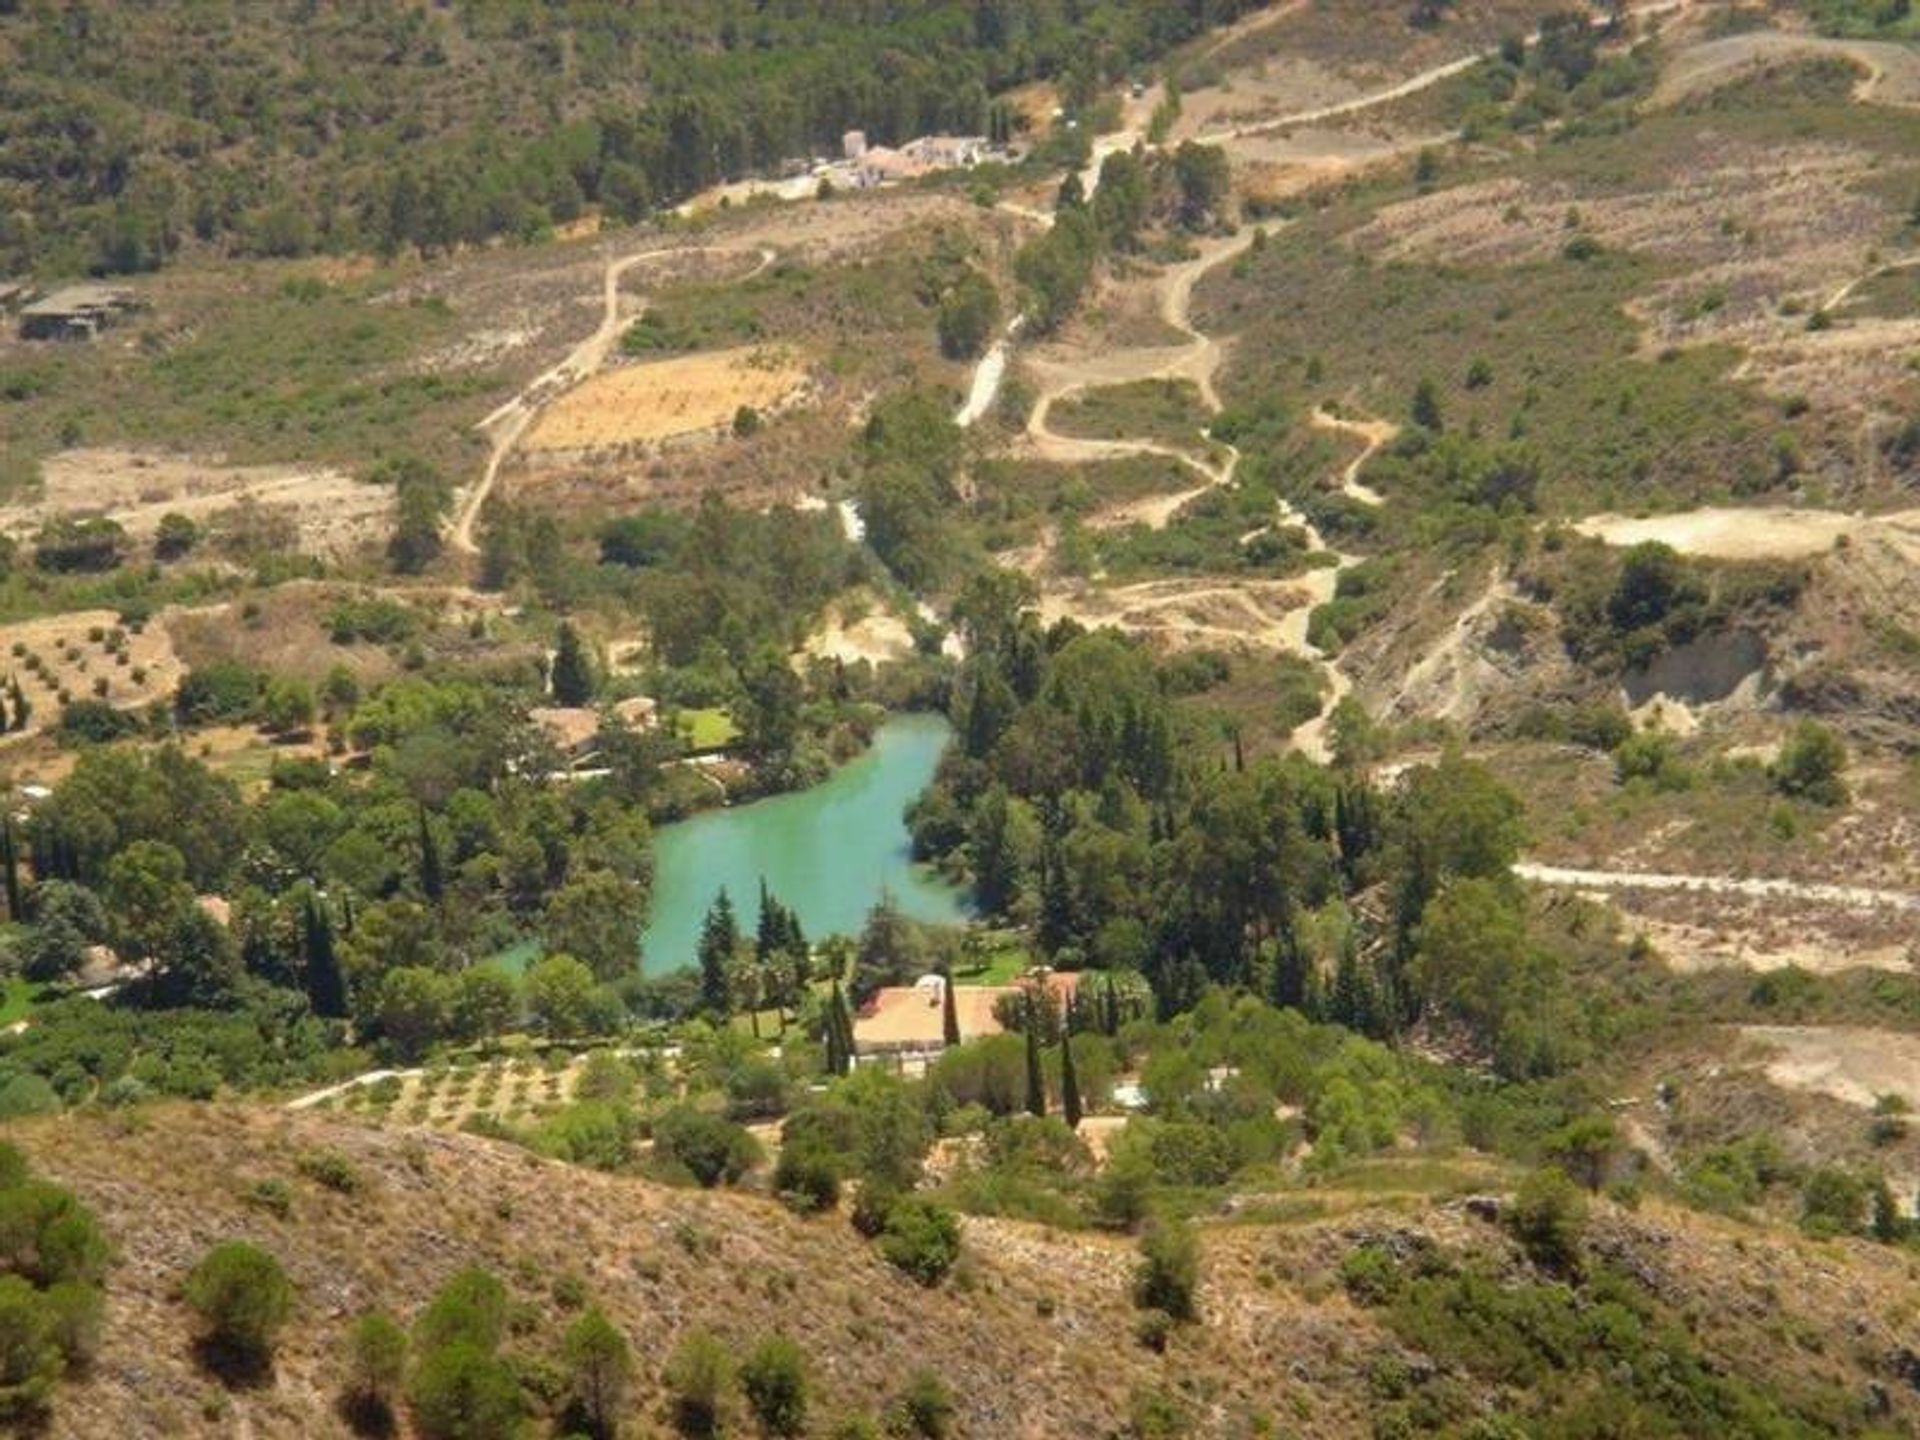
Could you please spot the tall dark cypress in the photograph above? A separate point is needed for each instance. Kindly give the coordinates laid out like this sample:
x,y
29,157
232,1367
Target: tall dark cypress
x,y
1111,1010
15,910
1069,1081
719,939
433,880
326,984
1036,1078
949,1009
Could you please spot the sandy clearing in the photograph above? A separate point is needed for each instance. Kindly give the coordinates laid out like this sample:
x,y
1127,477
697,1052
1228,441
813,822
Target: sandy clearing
x,y
1802,944
333,511
878,637
1757,534
1892,71
1859,897
1377,434
1852,1064
635,404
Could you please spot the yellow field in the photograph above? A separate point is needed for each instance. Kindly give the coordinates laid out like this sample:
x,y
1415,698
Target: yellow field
x,y
639,403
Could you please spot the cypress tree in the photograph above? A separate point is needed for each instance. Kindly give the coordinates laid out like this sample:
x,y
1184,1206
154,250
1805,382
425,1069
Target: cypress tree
x,y
719,938
15,910
1069,1082
572,674
326,985
1036,1080
433,880
839,1032
949,1009
1111,1017
21,706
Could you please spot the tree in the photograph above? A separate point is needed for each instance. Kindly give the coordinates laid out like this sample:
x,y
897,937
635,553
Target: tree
x,y
1548,1216
10,874
471,1308
838,1027
560,995
30,1361
949,1010
146,893
1811,765
176,535
20,708
461,1391
921,1238
1069,1082
924,1408
596,918
326,982
697,1377
713,1150
375,1363
1204,181
422,497
969,311
68,920
599,1364
719,942
288,707
1426,412
1168,1279
774,1377
242,1299
413,1008
433,880
1036,1078
485,1003
572,677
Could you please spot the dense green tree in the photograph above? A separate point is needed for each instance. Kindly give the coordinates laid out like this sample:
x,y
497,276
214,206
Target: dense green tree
x,y
572,677
599,1364
375,1362
242,1299
561,996
596,918
774,1378
719,944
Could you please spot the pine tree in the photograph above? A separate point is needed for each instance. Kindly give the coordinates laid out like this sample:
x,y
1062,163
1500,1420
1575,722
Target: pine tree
x,y
949,1009
22,707
15,910
433,880
839,1032
572,675
326,985
1069,1081
1036,1079
1111,1015
719,938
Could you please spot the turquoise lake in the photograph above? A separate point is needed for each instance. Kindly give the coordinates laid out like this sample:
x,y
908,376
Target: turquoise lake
x,y
828,852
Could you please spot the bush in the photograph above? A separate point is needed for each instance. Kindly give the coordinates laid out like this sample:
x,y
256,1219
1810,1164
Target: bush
x,y
872,1206
375,1361
921,1238
775,1380
924,1409
1548,1217
242,1299
1833,1203
1810,765
807,1179
697,1376
30,1362
462,1391
1169,1275
471,1308
711,1149
599,1367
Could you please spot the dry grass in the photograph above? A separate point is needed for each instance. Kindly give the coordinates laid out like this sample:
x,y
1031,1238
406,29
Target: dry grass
x,y
641,403
76,652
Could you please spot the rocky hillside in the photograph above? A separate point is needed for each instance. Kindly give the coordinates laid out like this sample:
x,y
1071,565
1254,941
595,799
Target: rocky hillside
x,y
1316,1320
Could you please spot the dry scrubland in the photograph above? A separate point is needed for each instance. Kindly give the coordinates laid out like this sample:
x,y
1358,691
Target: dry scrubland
x,y
1035,1333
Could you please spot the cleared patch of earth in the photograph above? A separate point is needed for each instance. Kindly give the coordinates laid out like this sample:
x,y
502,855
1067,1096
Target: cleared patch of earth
x,y
1851,1064
334,512
75,655
641,403
1757,534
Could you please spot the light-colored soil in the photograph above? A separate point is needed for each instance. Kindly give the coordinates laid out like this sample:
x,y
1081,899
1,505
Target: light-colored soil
x,y
1759,534
1860,897
876,635
53,637
334,512
1890,72
1851,1064
636,404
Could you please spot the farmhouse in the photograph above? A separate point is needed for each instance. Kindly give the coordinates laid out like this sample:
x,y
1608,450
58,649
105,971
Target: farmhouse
x,y
904,1025
576,729
78,312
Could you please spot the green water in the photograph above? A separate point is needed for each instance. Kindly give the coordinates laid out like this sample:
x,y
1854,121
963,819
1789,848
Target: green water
x,y
827,852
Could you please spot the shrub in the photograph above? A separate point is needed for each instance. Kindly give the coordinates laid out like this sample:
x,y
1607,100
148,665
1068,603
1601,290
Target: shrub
x,y
30,1361
872,1205
375,1361
470,1308
921,1238
925,1408
1833,1203
807,1178
599,1366
242,1299
711,1149
775,1380
462,1391
1548,1216
331,1170
1169,1275
697,1376
1810,765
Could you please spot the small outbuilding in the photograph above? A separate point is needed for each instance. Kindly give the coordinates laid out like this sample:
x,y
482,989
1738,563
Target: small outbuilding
x,y
79,312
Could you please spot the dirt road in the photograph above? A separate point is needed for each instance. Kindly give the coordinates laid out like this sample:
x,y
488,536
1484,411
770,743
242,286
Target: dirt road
x,y
1855,897
1892,71
1377,434
509,423
1756,534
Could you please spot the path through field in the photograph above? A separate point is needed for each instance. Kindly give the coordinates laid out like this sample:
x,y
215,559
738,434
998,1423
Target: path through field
x,y
510,422
1853,897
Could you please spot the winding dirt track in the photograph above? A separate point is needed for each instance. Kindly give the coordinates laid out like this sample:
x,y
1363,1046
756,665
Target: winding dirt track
x,y
1892,71
510,422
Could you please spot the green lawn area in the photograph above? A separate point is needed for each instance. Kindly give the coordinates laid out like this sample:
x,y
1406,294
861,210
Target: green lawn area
x,y
708,729
1004,962
18,997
